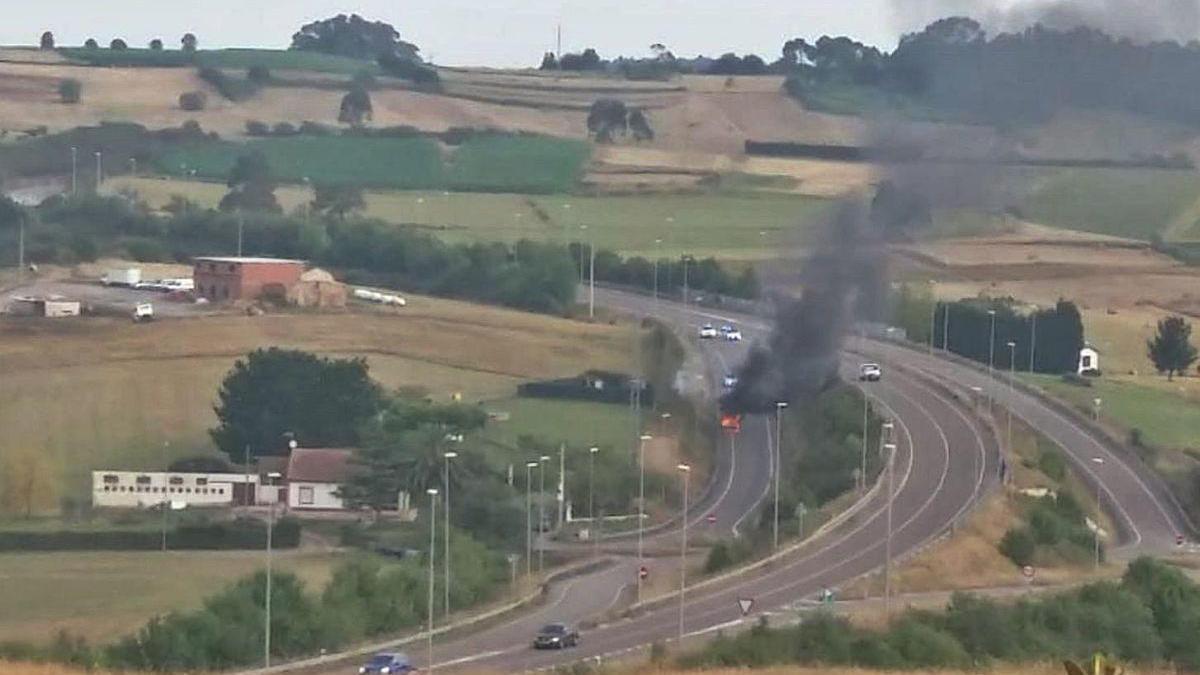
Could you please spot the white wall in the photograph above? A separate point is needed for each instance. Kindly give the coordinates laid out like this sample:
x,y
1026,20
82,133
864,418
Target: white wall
x,y
134,489
322,496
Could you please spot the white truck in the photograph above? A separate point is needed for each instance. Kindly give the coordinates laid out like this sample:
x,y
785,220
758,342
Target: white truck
x,y
126,276
143,312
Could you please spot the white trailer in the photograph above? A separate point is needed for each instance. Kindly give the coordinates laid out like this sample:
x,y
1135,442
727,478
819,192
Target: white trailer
x,y
126,276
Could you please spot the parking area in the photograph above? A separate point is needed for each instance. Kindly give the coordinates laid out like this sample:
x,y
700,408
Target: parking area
x,y
107,300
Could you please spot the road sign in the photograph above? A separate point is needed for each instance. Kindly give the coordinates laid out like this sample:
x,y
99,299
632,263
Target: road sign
x,y
745,604
1028,571
643,572
711,518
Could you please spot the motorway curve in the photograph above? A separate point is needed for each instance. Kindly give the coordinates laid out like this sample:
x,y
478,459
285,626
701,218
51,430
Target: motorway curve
x,y
946,460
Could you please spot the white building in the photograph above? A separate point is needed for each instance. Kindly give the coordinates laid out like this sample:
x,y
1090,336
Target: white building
x,y
1089,361
144,489
314,476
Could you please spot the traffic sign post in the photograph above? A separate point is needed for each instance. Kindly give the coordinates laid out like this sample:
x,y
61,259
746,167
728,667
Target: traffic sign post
x,y
643,572
711,518
1028,572
745,604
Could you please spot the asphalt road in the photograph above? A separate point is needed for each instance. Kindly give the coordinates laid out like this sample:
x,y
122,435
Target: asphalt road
x,y
944,462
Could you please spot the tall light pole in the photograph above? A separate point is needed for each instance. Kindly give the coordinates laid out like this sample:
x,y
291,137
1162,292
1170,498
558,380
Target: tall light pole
x,y
657,244
99,170
933,305
863,466
74,170
433,493
592,499
779,406
642,507
1096,532
591,280
686,471
991,344
267,601
1012,372
686,259
446,560
166,504
890,449
541,509
582,236
529,466
946,328
1096,408
1032,336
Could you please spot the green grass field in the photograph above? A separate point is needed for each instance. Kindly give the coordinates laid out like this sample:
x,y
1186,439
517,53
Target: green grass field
x,y
1136,203
527,164
1165,419
106,595
734,227
576,423
273,59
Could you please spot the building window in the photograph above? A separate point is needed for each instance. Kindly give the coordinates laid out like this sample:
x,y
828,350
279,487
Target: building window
x,y
111,479
306,495
176,480
220,491
143,480
201,481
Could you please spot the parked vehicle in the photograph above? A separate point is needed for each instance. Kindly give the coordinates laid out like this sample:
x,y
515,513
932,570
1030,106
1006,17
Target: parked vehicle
x,y
388,663
143,312
869,372
708,332
129,277
556,636
733,335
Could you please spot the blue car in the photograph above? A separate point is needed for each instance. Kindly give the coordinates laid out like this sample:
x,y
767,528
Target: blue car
x,y
388,663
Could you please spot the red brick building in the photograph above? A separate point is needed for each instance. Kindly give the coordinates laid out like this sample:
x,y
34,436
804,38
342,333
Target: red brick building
x,y
227,279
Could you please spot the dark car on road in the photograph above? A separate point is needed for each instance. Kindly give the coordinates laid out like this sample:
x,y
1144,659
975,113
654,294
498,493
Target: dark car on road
x,y
388,663
555,636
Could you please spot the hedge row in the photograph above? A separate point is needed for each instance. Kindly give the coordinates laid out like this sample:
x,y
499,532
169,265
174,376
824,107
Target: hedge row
x,y
237,535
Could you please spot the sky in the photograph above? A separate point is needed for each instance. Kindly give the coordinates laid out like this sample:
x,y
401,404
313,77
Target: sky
x,y
479,32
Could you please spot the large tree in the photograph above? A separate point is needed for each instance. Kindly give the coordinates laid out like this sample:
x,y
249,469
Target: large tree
x,y
607,117
356,107
47,41
274,395
251,186
188,42
337,201
1171,349
353,36
403,450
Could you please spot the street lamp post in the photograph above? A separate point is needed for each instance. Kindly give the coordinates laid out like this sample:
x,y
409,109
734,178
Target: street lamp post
x,y
99,170
1012,372
779,406
933,307
991,344
446,485
74,170
946,328
863,467
541,509
685,259
582,236
686,471
1032,337
890,448
657,244
1096,532
267,600
1096,408
529,466
642,508
433,493
591,280
592,500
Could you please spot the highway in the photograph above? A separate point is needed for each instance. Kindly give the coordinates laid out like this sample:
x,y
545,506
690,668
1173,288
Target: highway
x,y
946,460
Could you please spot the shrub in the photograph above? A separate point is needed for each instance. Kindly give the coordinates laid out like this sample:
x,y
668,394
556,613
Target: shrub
x,y
193,101
1018,545
257,128
1051,463
258,74
231,88
70,90
147,250
118,45
284,129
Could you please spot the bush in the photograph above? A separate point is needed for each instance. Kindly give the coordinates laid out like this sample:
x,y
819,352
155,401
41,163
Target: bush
x,y
193,101
147,250
242,534
257,128
1051,463
70,90
231,88
284,129
1018,545
258,75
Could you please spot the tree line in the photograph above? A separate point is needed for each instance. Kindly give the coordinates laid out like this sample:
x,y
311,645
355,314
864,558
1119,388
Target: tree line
x,y
705,275
1012,78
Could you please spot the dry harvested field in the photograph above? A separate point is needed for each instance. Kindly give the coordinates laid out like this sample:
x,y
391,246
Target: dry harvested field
x,y
105,392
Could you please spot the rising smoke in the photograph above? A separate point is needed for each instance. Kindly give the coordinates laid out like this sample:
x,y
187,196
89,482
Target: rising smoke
x,y
845,274
1138,20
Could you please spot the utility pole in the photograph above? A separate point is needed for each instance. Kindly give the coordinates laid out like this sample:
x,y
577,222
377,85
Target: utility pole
x,y
779,406
267,626
446,561
529,517
74,170
592,500
887,561
433,493
686,470
642,508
